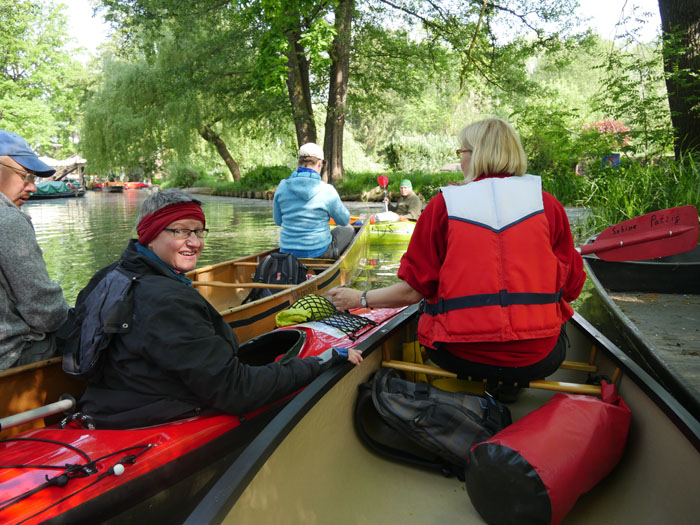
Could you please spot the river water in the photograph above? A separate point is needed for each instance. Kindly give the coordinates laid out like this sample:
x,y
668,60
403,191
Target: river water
x,y
81,235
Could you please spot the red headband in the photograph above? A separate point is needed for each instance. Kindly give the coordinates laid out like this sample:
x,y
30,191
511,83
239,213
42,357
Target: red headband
x,y
154,223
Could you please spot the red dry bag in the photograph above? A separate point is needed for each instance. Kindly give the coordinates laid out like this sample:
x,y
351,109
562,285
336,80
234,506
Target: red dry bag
x,y
534,470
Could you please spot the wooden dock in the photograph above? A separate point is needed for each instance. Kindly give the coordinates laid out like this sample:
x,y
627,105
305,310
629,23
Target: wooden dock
x,y
665,330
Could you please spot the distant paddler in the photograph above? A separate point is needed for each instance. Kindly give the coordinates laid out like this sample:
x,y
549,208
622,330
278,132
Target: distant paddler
x,y
407,208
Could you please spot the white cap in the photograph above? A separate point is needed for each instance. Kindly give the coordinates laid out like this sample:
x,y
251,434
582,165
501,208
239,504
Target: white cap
x,y
311,150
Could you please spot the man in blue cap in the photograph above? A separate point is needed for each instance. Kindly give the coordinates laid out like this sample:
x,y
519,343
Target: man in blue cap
x,y
32,307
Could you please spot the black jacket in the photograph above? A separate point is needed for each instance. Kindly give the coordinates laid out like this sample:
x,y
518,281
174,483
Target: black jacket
x,y
178,358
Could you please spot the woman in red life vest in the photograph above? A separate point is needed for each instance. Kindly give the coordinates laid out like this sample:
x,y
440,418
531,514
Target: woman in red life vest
x,y
494,259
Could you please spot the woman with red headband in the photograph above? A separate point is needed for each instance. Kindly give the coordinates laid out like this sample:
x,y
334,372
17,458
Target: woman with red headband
x,y
162,351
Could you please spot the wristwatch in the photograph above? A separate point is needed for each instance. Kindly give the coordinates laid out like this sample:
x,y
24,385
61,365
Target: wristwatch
x,y
363,299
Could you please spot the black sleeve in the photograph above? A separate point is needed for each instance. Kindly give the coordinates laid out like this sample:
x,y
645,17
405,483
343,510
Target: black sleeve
x,y
188,345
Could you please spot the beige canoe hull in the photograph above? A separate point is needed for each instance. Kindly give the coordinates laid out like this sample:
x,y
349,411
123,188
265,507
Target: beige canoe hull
x,y
317,471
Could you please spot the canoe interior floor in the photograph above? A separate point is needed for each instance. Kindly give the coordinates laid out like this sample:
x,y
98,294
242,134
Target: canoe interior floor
x,y
347,484
321,472
671,322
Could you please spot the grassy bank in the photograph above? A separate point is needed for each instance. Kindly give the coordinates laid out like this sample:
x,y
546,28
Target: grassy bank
x,y
613,194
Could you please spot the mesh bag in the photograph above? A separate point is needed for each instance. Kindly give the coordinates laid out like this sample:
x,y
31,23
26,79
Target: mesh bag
x,y
322,310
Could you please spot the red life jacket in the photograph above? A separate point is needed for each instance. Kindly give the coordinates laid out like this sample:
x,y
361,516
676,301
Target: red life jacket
x,y
500,280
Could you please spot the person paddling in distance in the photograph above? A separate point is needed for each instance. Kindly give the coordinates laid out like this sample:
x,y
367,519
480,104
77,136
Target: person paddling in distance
x,y
32,306
303,206
495,262
168,354
407,208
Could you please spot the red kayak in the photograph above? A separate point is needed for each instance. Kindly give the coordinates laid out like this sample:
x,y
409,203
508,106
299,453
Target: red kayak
x,y
74,474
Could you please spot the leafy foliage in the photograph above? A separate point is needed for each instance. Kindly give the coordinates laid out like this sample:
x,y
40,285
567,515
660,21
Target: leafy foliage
x,y
40,86
635,189
632,90
424,153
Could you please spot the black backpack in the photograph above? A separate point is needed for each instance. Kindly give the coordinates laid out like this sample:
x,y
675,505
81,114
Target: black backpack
x,y
104,308
423,425
276,268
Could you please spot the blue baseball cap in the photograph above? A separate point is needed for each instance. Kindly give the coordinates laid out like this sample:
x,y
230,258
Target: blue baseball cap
x,y
14,146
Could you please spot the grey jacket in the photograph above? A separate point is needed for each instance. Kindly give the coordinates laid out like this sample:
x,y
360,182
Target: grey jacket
x,y
31,305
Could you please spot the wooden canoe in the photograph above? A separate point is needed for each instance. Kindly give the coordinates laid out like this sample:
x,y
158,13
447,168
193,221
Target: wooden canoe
x,y
30,386
678,273
225,285
660,331
308,466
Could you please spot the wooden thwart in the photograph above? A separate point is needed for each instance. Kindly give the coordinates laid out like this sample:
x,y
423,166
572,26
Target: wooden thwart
x,y
542,384
221,284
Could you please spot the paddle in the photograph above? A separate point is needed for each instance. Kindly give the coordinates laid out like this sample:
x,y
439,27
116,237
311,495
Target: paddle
x,y
383,181
65,403
657,234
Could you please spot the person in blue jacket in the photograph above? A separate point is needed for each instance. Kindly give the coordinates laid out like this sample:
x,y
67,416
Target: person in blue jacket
x,y
303,206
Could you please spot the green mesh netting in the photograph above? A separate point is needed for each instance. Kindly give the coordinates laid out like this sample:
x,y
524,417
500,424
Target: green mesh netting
x,y
322,310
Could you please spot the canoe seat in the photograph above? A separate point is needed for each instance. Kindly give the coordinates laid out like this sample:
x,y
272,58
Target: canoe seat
x,y
419,368
542,384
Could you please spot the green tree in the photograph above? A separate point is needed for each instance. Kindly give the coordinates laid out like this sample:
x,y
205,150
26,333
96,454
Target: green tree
x,y
40,86
183,80
299,45
680,24
632,90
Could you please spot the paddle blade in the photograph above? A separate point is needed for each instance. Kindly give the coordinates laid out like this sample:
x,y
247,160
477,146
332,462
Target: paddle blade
x,y
657,234
383,180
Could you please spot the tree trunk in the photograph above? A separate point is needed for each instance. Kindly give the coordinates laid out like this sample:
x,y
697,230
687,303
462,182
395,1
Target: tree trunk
x,y
210,135
299,90
338,90
680,25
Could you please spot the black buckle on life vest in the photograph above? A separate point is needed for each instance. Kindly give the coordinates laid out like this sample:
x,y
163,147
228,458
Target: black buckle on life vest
x,y
440,306
433,308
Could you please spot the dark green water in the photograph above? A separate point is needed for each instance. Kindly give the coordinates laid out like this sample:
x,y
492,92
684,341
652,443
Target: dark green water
x,y
81,235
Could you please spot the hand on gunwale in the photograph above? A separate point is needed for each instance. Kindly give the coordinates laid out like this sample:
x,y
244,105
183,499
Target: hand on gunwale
x,y
344,298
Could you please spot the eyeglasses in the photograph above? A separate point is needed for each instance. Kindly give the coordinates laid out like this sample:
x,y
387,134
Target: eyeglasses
x,y
182,233
460,151
28,176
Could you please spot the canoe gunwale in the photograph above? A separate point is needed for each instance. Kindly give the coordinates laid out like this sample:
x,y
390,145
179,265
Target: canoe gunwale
x,y
676,412
214,507
190,468
647,350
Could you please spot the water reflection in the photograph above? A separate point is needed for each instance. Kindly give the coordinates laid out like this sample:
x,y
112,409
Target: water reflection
x,y
382,266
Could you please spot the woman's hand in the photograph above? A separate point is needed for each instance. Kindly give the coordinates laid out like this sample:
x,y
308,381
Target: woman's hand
x,y
354,356
344,298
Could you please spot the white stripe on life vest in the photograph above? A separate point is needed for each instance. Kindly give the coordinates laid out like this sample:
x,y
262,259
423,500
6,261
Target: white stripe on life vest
x,y
495,203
